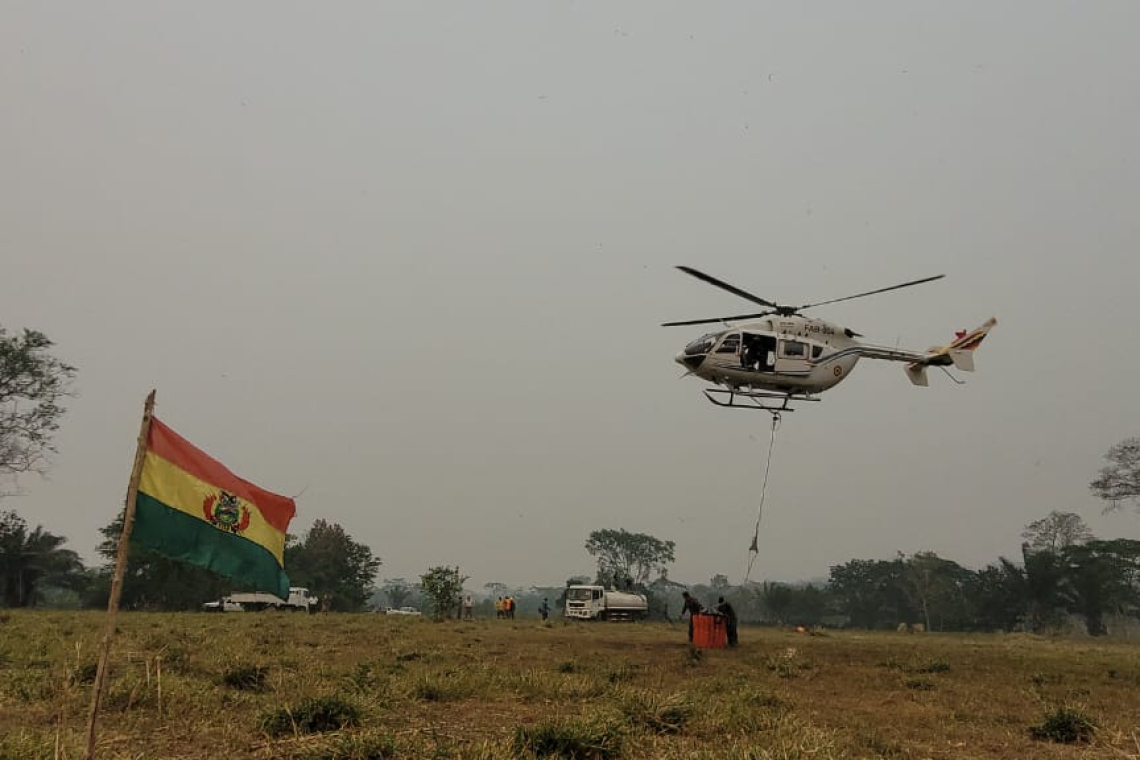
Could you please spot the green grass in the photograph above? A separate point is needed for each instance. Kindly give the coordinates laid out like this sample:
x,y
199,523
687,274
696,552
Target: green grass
x,y
359,687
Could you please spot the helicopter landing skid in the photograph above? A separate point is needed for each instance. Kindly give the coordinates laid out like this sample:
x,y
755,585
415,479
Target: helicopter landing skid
x,y
763,401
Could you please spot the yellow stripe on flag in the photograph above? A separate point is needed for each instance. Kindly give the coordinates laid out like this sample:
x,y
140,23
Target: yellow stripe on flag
x,y
180,490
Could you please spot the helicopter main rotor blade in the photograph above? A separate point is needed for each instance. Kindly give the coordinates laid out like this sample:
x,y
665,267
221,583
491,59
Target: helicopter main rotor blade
x,y
737,318
872,292
725,286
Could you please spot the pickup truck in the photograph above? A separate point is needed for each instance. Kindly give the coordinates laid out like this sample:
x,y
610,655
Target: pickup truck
x,y
402,611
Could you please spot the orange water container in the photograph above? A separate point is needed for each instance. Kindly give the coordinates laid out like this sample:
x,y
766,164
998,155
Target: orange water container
x,y
709,632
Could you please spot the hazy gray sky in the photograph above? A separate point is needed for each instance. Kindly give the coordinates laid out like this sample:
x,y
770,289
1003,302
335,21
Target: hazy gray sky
x,y
410,258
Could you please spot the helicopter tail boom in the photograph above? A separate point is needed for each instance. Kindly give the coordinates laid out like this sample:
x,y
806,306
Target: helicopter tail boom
x,y
959,353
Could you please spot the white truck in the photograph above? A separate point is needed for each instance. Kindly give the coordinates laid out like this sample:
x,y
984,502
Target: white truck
x,y
300,600
599,603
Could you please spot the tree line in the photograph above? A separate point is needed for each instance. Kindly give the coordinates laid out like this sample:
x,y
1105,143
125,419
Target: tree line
x,y
37,570
1064,572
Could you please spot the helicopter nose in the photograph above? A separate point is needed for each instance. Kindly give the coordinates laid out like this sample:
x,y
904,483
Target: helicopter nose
x,y
689,362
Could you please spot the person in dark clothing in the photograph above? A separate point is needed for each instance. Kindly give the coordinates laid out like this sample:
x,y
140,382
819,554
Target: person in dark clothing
x,y
544,610
726,609
692,606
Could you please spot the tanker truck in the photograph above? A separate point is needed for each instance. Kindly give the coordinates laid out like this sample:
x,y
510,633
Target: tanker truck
x,y
299,599
599,603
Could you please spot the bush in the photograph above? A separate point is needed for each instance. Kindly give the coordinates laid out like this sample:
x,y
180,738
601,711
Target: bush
x,y
443,688
313,715
364,746
625,671
659,714
1064,725
85,673
572,738
245,677
934,666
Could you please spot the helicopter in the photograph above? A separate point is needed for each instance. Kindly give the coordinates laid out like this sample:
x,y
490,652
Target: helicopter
x,y
772,358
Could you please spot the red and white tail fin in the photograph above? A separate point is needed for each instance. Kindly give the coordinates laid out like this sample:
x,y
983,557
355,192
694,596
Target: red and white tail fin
x,y
960,353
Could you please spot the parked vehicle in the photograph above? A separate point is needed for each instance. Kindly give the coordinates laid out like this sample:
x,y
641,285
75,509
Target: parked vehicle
x,y
403,611
300,600
599,603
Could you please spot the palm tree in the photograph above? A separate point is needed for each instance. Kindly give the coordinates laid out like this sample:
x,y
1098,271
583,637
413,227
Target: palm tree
x,y
32,560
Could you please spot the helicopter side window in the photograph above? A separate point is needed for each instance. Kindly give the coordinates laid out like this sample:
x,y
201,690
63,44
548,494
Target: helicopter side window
x,y
793,349
816,351
730,345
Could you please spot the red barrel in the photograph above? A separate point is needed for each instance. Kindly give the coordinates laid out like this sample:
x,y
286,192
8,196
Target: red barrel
x,y
709,631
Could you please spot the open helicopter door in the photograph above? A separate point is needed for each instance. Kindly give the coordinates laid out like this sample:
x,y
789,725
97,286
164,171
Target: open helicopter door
x,y
759,352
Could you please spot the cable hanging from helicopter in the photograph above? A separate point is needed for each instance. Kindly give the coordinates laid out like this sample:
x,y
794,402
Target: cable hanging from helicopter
x,y
754,549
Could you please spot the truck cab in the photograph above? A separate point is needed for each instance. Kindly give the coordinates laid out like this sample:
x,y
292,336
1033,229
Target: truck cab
x,y
300,598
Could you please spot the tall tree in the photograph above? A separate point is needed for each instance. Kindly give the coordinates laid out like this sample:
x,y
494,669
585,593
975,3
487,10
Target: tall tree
x,y
997,597
1044,587
444,587
1101,579
333,566
32,560
627,559
937,588
871,593
1056,531
33,384
1119,480
809,604
778,599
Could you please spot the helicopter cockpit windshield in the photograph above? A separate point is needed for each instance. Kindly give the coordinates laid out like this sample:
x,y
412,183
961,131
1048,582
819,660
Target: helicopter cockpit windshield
x,y
702,345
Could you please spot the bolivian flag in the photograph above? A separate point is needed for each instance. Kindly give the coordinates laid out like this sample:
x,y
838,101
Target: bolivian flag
x,y
191,508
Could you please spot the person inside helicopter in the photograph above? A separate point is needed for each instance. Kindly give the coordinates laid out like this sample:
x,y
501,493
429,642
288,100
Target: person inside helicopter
x,y
758,350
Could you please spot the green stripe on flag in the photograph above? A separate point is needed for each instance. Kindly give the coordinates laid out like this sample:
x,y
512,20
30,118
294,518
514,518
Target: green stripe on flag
x,y
177,535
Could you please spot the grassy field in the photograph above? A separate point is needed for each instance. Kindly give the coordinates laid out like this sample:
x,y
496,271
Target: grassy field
x,y
282,685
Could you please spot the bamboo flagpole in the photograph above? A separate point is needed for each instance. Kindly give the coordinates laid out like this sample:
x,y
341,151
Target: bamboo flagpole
x,y
120,569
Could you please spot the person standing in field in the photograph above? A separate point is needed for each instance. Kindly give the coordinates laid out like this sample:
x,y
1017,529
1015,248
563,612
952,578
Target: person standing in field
x,y
692,606
726,609
468,608
544,610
